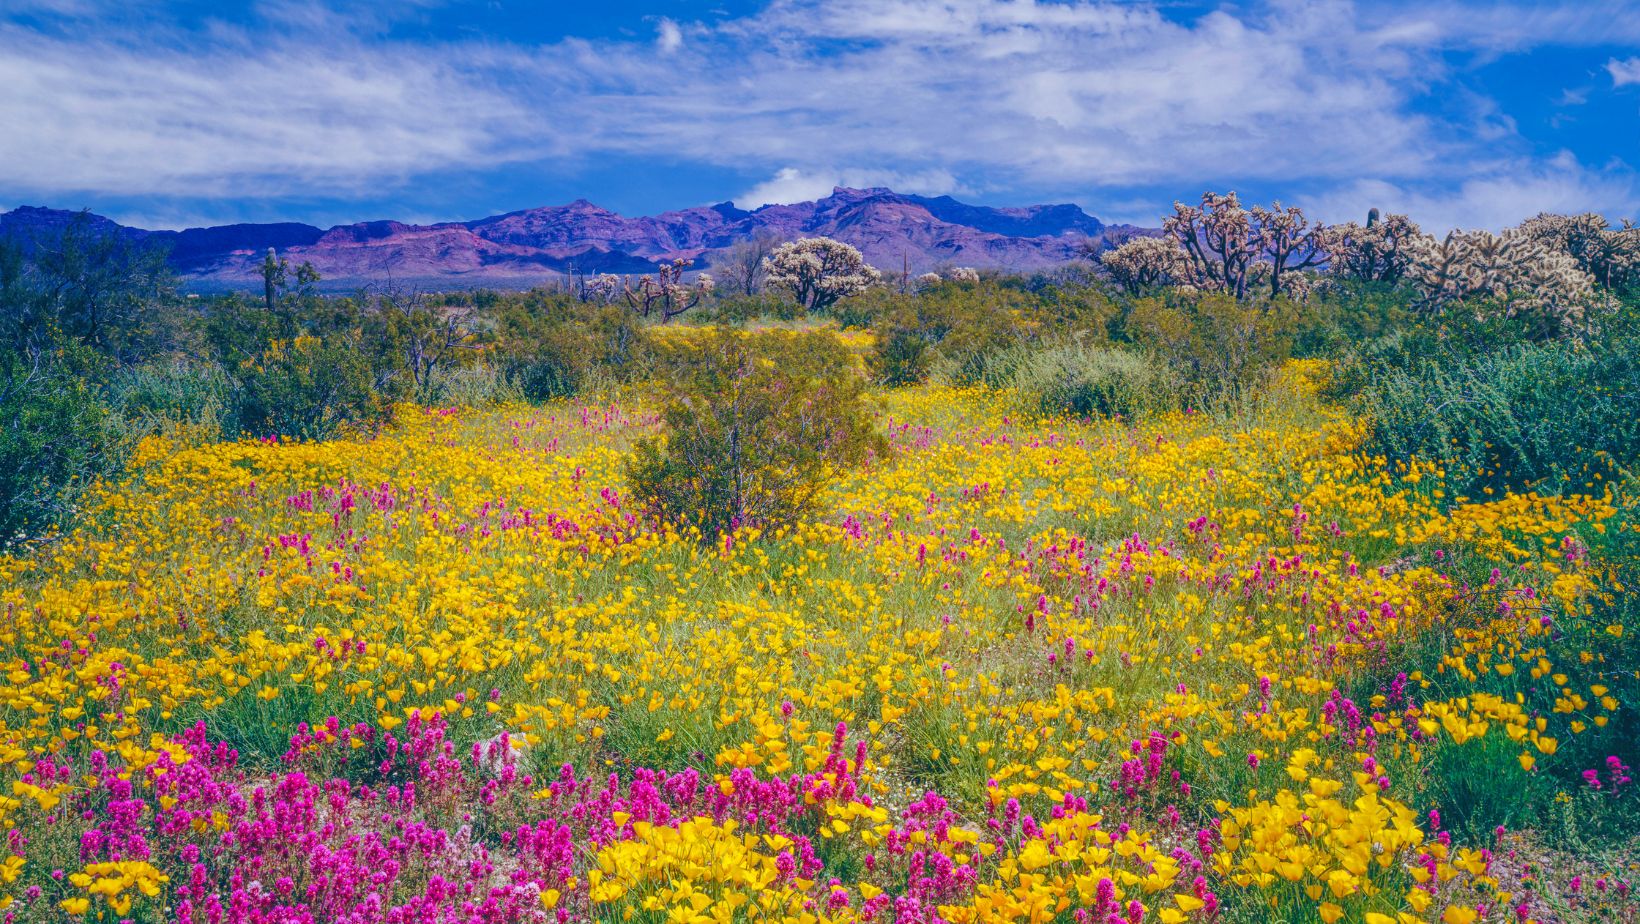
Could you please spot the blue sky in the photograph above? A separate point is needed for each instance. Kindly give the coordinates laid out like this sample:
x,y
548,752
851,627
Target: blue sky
x,y
171,114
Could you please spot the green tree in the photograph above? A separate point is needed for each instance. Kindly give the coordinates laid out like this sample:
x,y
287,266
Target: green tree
x,y
754,426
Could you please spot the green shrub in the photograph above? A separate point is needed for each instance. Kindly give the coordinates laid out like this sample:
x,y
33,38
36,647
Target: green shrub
x,y
471,386
1555,416
550,346
164,396
1215,343
901,356
553,370
306,388
1082,380
56,438
754,424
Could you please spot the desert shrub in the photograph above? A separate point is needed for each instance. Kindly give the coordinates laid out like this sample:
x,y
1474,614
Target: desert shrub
x,y
56,438
1343,313
553,368
1085,380
754,424
306,388
739,308
1554,415
1216,344
477,385
900,356
549,345
170,397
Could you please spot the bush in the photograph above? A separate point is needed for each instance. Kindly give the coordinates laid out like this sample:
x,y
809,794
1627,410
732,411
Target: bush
x,y
56,438
754,425
1215,343
550,346
1090,381
901,356
306,388
170,396
471,386
1553,416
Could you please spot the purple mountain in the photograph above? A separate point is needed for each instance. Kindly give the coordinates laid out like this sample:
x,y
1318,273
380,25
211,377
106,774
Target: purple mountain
x,y
520,249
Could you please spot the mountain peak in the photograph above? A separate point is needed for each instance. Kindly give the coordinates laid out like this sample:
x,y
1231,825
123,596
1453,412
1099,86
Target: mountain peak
x,y
530,246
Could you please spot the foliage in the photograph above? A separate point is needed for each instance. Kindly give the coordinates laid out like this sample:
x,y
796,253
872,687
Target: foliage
x,y
306,388
180,398
819,272
901,355
1082,380
55,438
754,426
82,286
1215,342
1552,416
552,346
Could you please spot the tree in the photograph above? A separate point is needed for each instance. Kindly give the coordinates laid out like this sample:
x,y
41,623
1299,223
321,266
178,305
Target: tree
x,y
819,272
1379,252
1222,242
1512,273
741,268
1144,262
90,286
665,295
423,338
754,426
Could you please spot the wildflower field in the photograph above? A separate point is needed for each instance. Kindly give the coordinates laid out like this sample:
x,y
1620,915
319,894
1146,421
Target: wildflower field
x,y
1218,666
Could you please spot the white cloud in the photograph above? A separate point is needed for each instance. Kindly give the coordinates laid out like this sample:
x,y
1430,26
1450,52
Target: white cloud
x,y
792,184
668,37
1082,96
1500,195
239,116
1624,72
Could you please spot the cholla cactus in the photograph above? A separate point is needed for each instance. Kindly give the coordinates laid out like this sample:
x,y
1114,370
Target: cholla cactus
x,y
601,288
1217,241
1144,262
1222,241
819,271
1289,244
1610,255
965,274
1378,252
1296,286
929,280
665,294
1522,274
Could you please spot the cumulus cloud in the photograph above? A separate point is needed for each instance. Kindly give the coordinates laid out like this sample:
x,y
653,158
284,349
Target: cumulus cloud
x,y
668,37
1624,72
238,117
793,184
1499,195
1087,97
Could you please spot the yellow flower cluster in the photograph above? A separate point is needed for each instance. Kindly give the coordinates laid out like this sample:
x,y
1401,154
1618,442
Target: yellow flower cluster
x,y
1011,611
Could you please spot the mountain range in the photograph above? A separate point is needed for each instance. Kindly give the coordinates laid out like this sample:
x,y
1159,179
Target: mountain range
x,y
529,247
